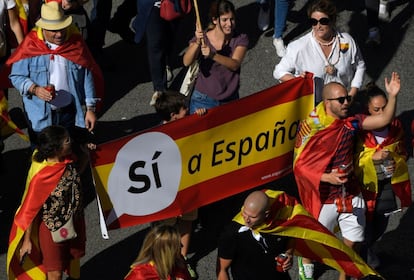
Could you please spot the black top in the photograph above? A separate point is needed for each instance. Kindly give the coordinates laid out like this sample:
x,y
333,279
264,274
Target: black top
x,y
251,260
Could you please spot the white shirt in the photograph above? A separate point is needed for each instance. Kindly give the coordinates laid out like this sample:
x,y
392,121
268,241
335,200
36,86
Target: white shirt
x,y
58,78
305,55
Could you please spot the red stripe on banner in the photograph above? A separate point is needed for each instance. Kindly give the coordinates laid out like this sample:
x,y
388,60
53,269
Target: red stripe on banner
x,y
206,192
279,94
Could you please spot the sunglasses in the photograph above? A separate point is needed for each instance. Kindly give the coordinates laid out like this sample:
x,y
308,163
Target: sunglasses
x,y
342,99
322,21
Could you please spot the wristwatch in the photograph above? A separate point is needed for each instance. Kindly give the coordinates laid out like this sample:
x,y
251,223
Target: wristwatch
x,y
91,108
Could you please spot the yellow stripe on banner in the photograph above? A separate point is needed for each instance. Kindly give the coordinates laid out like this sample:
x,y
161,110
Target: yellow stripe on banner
x,y
243,142
103,172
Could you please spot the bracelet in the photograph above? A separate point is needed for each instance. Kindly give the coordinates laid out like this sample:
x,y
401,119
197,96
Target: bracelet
x,y
91,109
33,91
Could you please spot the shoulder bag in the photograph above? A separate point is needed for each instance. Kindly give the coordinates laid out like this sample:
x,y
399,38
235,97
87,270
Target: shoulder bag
x,y
173,9
190,78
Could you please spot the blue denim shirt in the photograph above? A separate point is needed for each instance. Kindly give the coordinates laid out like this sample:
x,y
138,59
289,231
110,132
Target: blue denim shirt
x,y
35,70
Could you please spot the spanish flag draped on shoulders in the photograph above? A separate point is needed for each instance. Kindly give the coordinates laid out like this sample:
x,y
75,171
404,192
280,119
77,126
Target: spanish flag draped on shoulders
x,y
365,168
312,240
42,179
74,49
317,141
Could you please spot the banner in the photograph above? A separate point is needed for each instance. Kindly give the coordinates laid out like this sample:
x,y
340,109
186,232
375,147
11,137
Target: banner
x,y
177,167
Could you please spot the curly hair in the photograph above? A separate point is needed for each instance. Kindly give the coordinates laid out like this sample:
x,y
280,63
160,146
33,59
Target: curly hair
x,y
50,141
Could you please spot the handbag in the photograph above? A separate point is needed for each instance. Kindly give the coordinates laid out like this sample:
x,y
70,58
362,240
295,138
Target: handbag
x,y
67,231
189,79
173,9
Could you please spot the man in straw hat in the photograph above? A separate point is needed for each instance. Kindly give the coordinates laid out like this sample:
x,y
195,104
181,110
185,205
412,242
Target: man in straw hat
x,y
56,74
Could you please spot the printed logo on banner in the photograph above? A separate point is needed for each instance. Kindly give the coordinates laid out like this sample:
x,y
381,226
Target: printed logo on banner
x,y
145,177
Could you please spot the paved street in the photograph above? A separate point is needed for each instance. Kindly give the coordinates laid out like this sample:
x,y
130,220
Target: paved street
x,y
129,90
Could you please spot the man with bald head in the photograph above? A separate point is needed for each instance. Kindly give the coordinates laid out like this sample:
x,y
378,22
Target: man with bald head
x,y
249,253
323,162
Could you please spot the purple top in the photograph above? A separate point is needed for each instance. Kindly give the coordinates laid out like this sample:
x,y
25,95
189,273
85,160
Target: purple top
x,y
214,79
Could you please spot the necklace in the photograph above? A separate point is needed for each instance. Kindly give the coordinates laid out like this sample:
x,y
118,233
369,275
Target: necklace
x,y
330,69
326,44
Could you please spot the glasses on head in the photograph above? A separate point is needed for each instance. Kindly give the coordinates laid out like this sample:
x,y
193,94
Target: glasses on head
x,y
322,21
342,99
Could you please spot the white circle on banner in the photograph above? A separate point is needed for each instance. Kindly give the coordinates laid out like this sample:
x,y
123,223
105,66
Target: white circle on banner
x,y
146,175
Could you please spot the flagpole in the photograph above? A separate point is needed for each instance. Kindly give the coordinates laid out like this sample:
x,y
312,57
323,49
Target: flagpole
x,y
198,20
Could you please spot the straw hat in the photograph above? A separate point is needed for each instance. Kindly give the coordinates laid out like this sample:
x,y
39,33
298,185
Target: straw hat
x,y
52,17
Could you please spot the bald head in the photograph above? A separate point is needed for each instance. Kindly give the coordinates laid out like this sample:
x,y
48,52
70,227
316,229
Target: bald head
x,y
330,90
257,201
255,209
335,99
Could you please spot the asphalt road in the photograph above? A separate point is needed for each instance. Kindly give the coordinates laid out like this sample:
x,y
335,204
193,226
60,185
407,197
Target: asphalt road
x,y
128,93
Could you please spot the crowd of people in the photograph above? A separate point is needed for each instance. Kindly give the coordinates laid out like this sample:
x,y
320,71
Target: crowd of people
x,y
350,159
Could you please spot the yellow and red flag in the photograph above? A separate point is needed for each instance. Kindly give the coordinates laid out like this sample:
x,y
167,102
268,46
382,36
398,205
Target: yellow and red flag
x,y
309,164
365,169
312,240
7,126
182,165
42,179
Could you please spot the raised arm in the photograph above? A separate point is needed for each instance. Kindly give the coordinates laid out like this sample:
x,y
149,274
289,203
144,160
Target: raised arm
x,y
392,87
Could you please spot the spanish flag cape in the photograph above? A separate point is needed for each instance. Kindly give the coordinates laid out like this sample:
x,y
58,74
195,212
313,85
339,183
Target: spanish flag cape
x,y
309,164
312,240
7,126
74,49
365,169
42,179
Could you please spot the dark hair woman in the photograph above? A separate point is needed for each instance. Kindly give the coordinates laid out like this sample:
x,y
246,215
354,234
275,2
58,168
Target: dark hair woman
x,y
48,232
381,166
220,51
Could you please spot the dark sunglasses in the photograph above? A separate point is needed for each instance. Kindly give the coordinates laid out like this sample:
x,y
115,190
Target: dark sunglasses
x,y
322,21
342,99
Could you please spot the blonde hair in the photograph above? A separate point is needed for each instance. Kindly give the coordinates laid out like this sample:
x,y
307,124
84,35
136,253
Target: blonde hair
x,y
162,246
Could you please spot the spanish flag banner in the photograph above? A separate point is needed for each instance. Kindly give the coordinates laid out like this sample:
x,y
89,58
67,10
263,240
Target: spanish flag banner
x,y
312,240
180,166
7,126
